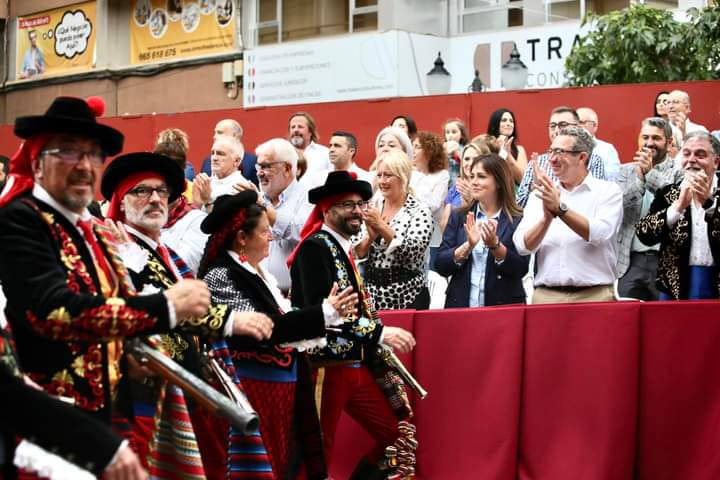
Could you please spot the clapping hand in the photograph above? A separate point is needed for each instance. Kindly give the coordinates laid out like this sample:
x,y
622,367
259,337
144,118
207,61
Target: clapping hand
x,y
201,190
488,232
644,161
473,230
463,187
546,190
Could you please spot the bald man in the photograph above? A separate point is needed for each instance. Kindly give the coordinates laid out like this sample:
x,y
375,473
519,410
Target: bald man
x,y
590,122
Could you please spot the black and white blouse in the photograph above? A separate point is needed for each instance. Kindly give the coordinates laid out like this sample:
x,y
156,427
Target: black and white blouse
x,y
395,271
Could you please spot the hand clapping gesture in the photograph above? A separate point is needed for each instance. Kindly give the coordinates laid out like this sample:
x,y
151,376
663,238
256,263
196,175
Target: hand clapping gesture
x,y
473,230
488,232
201,190
546,191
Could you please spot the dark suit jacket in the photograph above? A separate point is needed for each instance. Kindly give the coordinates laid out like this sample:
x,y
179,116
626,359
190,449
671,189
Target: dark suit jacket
x,y
319,262
53,425
61,321
247,167
503,283
674,257
291,326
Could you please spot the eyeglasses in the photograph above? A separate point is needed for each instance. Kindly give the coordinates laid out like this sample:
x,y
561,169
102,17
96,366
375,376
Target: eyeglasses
x,y
146,192
588,122
349,206
562,152
266,167
72,156
560,125
661,101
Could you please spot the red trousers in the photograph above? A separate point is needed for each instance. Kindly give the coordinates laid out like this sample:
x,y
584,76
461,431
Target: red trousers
x,y
353,389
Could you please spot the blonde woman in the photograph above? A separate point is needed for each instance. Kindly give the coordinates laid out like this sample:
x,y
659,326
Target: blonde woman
x,y
395,238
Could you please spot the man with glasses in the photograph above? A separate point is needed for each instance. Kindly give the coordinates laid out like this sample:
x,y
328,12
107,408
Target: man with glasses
x,y
344,381
678,108
640,180
68,300
571,226
685,221
277,171
560,118
611,160
139,187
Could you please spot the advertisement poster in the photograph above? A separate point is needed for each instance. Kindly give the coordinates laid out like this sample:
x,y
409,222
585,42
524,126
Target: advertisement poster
x,y
322,71
56,41
166,30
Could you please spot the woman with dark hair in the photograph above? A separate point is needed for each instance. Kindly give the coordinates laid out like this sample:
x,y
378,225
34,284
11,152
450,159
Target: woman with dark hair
x,y
406,123
661,102
430,180
502,125
456,137
274,376
477,249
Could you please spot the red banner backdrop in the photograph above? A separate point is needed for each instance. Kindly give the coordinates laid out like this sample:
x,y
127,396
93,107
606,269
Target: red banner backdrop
x,y
620,108
592,391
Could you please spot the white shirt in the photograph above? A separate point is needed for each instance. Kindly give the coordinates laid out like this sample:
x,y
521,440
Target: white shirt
x,y
563,258
41,194
186,238
700,253
610,158
431,189
292,210
224,186
317,157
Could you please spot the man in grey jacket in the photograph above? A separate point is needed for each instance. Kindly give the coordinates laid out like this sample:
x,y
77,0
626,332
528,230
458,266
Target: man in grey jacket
x,y
650,170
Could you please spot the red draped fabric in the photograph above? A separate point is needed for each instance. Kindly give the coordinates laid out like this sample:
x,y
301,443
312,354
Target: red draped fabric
x,y
594,391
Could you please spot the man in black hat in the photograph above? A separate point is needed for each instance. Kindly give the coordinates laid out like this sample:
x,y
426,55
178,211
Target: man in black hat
x,y
139,187
69,300
341,369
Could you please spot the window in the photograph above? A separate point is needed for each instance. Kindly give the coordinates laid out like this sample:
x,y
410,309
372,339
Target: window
x,y
288,20
478,15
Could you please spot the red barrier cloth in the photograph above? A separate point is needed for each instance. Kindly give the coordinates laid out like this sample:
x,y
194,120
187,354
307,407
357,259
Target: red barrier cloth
x,y
679,435
579,401
597,391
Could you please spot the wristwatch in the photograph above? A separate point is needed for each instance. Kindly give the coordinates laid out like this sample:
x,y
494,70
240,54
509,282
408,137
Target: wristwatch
x,y
562,209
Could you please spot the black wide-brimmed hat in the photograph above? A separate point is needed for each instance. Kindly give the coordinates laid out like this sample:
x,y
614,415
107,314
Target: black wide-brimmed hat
x,y
225,208
74,116
341,181
132,163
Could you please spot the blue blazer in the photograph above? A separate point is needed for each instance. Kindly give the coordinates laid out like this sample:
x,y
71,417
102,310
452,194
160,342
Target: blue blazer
x,y
503,283
247,167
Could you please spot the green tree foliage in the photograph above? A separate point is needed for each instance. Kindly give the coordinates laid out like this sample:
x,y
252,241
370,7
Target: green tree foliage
x,y
644,44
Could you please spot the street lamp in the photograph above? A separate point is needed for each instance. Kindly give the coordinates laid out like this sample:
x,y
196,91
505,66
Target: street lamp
x,y
477,84
438,79
514,73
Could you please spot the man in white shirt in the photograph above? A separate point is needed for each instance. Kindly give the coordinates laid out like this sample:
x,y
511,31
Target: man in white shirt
x,y
342,149
678,114
302,134
571,227
277,171
225,157
684,219
589,120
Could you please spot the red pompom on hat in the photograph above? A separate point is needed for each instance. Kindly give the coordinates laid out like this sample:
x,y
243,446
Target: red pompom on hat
x,y
97,105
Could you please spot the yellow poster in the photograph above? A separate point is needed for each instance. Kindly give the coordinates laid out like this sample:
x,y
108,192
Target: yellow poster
x,y
56,41
162,30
